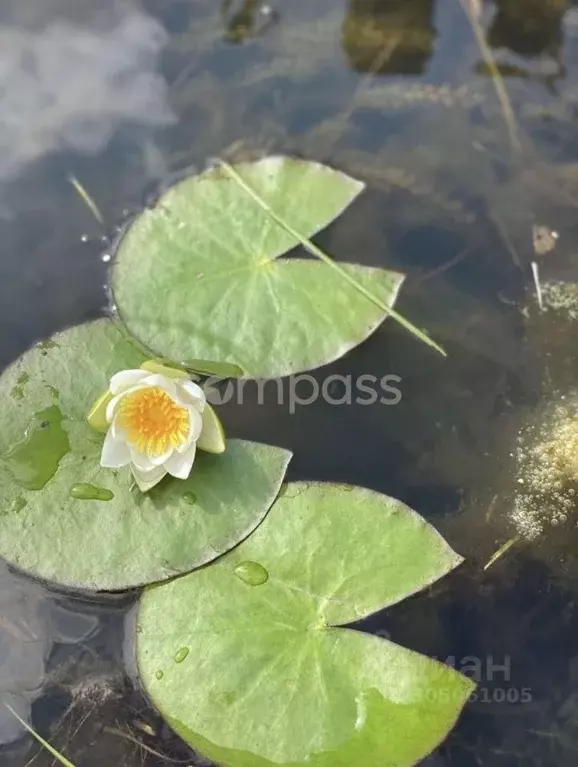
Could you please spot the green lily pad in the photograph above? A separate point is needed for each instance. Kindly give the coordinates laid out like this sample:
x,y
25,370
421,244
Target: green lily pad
x,y
63,518
247,661
209,247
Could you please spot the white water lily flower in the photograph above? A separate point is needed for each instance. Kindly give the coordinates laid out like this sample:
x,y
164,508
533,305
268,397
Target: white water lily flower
x,y
155,423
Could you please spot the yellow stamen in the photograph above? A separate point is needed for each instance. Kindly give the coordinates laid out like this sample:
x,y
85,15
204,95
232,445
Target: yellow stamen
x,y
153,421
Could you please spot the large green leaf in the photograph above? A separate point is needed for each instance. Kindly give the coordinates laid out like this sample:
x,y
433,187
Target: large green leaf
x,y
117,537
260,675
199,275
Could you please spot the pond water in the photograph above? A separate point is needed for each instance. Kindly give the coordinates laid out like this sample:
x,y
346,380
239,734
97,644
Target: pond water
x,y
467,188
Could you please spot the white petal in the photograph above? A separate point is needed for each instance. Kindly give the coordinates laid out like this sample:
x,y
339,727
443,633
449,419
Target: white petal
x,y
141,460
115,453
111,407
191,394
195,429
164,383
147,479
158,460
196,426
125,379
180,466
117,431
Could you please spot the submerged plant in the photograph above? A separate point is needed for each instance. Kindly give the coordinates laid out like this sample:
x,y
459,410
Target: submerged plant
x,y
44,743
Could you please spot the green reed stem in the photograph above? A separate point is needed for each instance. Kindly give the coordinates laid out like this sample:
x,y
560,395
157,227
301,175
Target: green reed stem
x,y
62,759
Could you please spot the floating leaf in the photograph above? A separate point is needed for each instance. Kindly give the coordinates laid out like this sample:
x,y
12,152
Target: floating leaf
x,y
318,253
63,518
269,677
200,274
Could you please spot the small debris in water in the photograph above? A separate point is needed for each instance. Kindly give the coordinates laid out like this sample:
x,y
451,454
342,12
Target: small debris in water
x,y
547,457
105,257
536,275
402,95
561,297
501,551
145,726
189,498
86,198
159,675
544,239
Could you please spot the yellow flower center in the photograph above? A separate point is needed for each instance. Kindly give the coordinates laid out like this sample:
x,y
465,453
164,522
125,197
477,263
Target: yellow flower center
x,y
153,421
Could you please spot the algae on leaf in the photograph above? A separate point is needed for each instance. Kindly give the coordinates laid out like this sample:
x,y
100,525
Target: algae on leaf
x,y
216,253
272,676
66,519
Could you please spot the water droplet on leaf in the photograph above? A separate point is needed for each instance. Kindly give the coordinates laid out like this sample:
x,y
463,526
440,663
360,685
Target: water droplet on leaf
x,y
181,654
34,460
83,491
252,573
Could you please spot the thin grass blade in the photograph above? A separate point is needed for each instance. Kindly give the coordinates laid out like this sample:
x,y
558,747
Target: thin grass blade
x,y
87,199
62,759
316,251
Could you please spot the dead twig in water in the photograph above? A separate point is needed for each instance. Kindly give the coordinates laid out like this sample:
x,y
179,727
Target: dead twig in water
x,y
501,551
120,734
472,11
62,759
87,199
536,276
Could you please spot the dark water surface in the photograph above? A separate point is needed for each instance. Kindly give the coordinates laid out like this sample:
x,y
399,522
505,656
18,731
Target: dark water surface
x,y
120,96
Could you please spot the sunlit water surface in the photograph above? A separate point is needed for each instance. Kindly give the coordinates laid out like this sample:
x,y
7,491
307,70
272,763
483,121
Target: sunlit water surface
x,y
121,96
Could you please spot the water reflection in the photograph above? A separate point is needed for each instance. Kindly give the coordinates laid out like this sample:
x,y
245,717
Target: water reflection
x,y
69,76
528,27
389,36
247,19
30,624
